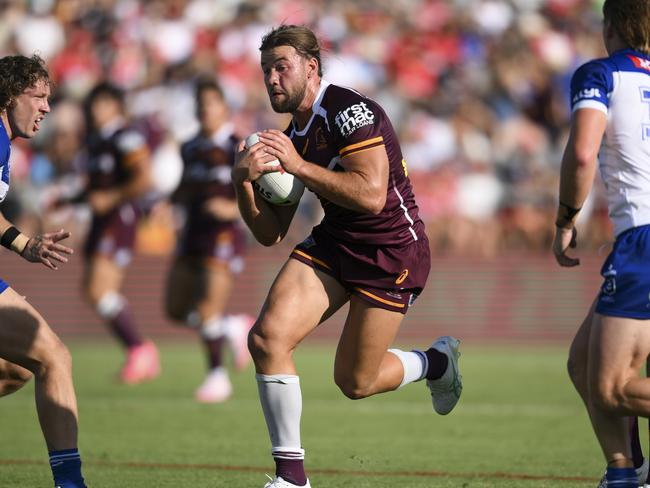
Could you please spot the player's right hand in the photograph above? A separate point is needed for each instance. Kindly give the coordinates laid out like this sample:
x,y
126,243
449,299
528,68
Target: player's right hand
x,y
250,163
45,249
565,239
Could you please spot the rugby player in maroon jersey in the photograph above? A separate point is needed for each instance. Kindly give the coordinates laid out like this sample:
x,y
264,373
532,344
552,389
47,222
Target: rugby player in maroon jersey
x,y
210,243
118,174
370,250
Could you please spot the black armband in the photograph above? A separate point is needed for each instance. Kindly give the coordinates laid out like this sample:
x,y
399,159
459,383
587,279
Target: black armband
x,y
570,211
13,239
9,236
565,216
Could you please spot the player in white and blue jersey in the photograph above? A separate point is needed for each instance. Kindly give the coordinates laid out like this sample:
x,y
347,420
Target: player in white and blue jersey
x,y
27,344
610,99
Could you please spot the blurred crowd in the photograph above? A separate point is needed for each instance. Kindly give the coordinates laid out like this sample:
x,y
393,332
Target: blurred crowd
x,y
477,90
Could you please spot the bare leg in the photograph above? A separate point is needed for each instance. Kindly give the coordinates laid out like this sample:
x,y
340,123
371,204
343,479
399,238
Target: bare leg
x,y
618,350
12,377
27,340
363,367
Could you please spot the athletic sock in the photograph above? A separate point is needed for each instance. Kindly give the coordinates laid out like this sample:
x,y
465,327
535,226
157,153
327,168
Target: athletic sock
x,y
213,348
621,478
414,364
281,401
66,468
437,363
212,335
291,470
123,326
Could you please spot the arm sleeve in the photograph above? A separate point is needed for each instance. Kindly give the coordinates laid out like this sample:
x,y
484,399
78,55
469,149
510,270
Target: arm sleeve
x,y
591,85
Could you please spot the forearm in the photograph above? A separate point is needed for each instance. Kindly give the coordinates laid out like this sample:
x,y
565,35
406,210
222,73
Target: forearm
x,y
10,237
576,179
263,222
347,189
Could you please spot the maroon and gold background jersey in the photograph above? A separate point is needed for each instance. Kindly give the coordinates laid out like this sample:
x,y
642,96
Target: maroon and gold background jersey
x,y
207,163
344,122
110,155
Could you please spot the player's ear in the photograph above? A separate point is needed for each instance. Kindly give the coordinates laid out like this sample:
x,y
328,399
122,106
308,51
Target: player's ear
x,y
312,67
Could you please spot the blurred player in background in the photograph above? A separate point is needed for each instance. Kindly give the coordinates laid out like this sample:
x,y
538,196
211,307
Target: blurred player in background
x,y
27,344
370,250
210,244
118,174
610,99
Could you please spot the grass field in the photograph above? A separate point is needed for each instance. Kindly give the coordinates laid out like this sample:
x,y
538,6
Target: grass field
x,y
519,424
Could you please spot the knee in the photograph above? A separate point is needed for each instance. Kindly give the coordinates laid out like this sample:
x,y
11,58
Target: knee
x,y
609,396
354,388
53,357
180,315
265,346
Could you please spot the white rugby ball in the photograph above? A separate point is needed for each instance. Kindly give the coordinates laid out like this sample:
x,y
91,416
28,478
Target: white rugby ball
x,y
278,187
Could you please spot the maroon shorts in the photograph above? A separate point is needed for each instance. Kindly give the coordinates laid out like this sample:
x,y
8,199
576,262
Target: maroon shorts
x,y
222,244
113,235
388,277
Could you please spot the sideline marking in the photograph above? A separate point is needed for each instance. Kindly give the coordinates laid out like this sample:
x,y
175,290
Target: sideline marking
x,y
343,472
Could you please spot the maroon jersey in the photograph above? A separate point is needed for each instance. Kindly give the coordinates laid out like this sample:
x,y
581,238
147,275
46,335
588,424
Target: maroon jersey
x,y
344,122
207,163
110,156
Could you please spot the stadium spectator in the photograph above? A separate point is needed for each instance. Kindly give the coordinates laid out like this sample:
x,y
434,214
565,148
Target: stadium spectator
x,y
428,63
210,244
27,344
609,98
370,250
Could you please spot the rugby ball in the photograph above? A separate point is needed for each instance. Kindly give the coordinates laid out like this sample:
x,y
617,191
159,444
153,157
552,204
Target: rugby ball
x,y
279,187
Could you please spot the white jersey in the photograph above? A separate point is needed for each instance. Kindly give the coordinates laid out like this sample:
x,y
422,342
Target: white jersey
x,y
620,87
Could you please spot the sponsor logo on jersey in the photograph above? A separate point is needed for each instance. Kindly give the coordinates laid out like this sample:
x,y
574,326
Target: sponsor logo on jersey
x,y
640,62
587,93
352,118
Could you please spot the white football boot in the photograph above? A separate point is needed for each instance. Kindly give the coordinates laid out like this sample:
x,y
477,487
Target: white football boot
x,y
446,390
216,388
278,482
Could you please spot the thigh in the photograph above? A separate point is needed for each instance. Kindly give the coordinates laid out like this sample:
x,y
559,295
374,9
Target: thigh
x,y
618,349
102,275
300,298
25,337
368,332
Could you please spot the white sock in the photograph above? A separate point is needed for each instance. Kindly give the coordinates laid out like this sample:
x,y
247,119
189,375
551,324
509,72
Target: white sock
x,y
212,328
414,365
281,401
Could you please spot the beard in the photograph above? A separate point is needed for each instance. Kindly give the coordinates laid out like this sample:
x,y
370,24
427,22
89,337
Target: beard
x,y
291,103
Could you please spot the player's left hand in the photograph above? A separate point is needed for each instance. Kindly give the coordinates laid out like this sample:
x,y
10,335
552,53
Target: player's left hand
x,y
279,145
565,239
45,249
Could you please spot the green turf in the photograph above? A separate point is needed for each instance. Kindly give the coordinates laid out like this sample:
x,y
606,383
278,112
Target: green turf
x,y
518,416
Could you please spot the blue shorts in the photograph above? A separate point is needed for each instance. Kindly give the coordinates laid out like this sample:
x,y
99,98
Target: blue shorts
x,y
626,289
3,285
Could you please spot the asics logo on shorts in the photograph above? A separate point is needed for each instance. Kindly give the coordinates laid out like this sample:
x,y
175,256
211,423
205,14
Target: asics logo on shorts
x,y
400,279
